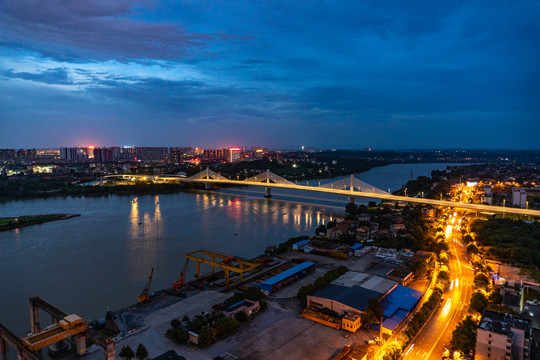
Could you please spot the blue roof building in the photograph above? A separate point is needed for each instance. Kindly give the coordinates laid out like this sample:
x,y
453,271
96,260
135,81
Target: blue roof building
x,y
299,245
397,306
276,282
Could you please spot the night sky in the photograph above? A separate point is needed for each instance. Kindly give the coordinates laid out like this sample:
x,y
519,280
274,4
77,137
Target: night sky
x,y
335,74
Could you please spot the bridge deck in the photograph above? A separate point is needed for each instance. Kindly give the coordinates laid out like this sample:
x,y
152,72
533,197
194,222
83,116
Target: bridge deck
x,y
390,197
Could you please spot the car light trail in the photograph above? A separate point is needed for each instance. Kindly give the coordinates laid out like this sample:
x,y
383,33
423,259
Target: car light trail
x,y
408,351
448,231
446,307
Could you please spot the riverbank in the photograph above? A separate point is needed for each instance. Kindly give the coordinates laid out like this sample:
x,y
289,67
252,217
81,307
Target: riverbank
x,y
30,192
10,223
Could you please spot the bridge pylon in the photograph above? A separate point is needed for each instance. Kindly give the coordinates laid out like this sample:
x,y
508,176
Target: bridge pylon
x,y
354,184
207,174
269,178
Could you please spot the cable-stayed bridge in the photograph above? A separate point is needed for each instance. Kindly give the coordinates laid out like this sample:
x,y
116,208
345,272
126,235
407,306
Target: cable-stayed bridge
x,y
350,187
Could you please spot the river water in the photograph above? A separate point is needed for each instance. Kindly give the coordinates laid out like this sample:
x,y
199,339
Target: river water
x,y
102,259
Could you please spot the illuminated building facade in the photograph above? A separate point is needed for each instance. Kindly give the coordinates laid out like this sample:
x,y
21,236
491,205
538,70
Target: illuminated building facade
x,y
234,154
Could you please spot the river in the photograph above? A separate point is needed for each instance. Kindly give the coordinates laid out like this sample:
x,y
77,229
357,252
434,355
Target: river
x,y
102,259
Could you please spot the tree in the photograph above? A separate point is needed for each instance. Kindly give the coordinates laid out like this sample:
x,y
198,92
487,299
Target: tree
x,y
472,249
478,302
303,292
175,323
207,336
127,353
241,316
420,269
351,211
375,306
464,336
495,297
320,229
439,246
253,293
225,326
368,318
141,352
481,281
180,335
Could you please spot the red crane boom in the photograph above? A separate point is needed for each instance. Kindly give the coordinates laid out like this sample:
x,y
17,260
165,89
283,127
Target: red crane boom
x,y
182,278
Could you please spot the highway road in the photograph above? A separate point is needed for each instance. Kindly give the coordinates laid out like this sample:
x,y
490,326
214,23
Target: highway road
x,y
431,341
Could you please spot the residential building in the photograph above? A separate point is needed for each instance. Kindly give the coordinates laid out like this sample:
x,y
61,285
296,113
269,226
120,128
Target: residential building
x,y
519,197
234,154
151,153
503,337
73,153
103,155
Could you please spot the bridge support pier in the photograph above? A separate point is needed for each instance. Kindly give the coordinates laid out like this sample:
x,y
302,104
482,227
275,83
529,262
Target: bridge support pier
x,y
3,349
351,199
81,344
268,192
206,186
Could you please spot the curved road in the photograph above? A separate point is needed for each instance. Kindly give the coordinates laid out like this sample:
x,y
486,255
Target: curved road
x,y
436,334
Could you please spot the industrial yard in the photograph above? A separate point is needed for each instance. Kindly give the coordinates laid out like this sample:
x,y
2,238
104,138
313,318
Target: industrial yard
x,y
277,332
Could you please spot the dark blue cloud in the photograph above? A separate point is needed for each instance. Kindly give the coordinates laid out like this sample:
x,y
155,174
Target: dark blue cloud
x,y
325,73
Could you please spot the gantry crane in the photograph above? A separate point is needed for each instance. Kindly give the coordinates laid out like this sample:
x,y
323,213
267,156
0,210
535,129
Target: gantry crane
x,y
182,278
145,293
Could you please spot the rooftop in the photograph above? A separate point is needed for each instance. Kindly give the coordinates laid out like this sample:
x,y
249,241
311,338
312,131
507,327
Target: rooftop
x,y
401,297
511,299
287,273
392,322
502,323
354,296
351,316
401,271
366,281
381,269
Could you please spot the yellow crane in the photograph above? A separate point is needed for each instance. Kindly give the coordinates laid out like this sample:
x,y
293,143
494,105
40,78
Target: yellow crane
x,y
145,293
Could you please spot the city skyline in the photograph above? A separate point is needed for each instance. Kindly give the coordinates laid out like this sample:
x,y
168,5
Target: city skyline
x,y
403,76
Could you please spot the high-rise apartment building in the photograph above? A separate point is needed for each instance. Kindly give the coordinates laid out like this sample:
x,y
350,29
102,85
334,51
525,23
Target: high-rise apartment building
x,y
151,153
73,153
234,154
519,197
175,156
503,337
102,155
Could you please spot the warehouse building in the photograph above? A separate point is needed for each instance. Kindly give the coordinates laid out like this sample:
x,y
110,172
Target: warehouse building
x,y
286,277
349,294
397,305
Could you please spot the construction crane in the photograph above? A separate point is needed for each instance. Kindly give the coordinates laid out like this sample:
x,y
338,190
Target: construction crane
x,y
182,278
144,295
